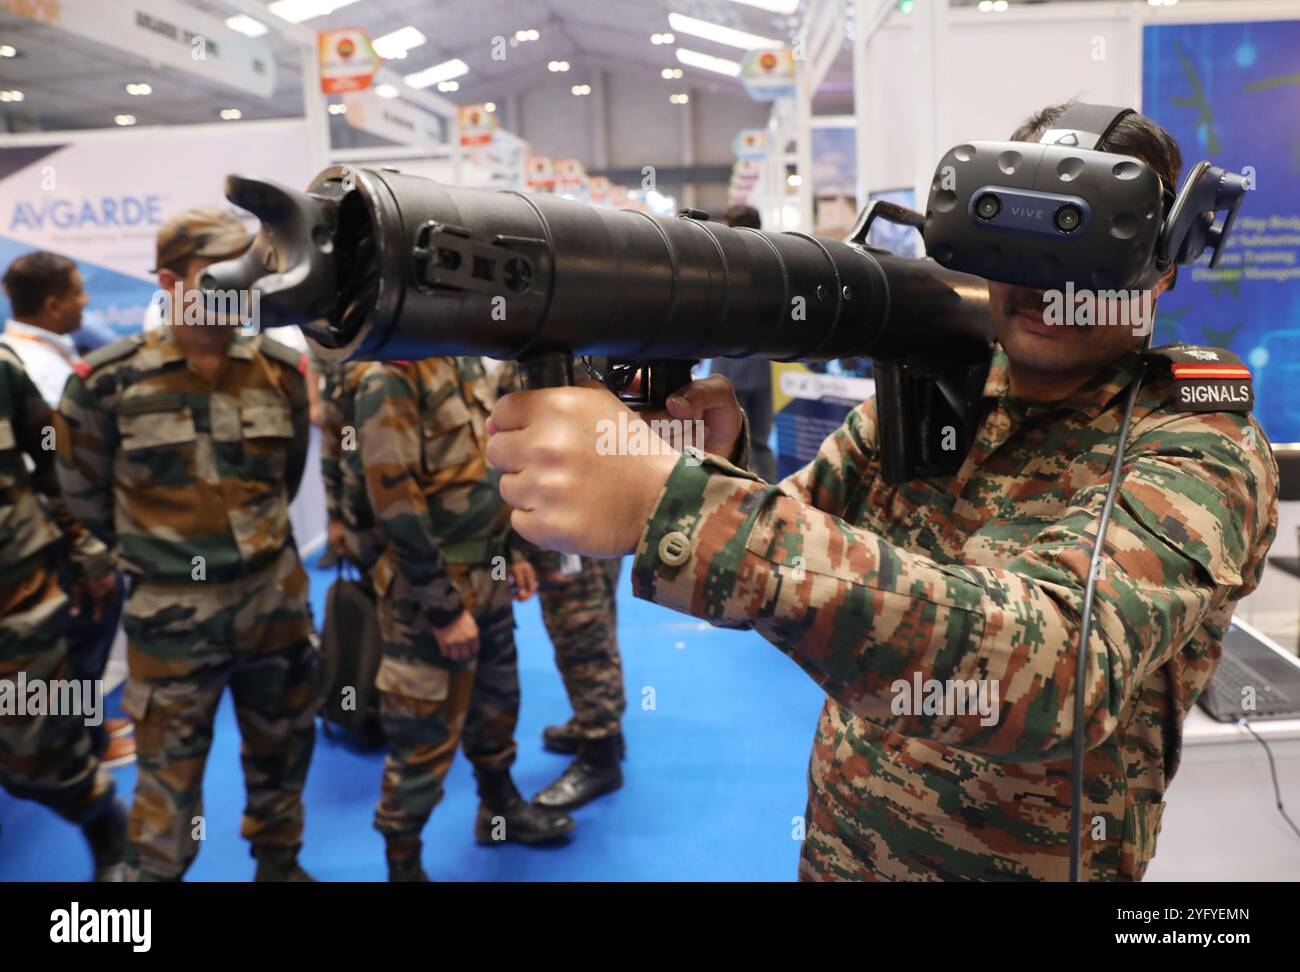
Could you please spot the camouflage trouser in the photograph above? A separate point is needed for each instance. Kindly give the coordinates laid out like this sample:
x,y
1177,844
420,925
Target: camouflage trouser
x,y
47,758
427,705
579,612
187,641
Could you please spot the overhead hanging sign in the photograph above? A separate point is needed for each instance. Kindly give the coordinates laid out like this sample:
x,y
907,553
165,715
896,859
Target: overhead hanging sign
x,y
768,75
166,31
541,173
750,143
476,125
746,176
392,119
348,62
745,173
598,189
571,177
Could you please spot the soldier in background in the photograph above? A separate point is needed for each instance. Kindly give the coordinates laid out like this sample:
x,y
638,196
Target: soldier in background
x,y
352,531
580,613
48,757
449,670
324,379
185,446
47,297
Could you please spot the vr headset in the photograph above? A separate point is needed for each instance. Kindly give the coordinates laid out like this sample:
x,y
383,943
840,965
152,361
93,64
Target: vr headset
x,y
1062,211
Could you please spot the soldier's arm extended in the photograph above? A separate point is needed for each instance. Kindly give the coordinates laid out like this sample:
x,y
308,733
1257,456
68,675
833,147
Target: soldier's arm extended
x,y
87,441
331,445
300,415
858,613
389,435
38,432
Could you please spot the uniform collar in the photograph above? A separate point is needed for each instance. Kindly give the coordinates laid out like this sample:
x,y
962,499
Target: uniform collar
x,y
62,343
1091,399
240,346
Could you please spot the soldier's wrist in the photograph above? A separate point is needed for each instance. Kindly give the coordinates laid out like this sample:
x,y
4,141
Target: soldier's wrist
x,y
666,551
444,617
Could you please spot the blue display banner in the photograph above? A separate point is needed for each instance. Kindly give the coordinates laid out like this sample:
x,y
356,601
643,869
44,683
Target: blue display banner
x,y
1230,93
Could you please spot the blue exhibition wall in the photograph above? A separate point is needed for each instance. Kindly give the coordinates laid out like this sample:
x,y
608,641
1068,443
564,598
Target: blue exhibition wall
x,y
1230,93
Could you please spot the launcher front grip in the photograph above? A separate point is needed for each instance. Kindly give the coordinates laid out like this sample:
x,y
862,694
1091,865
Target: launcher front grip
x,y
376,264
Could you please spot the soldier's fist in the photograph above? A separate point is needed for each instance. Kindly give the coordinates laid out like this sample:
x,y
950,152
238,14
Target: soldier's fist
x,y
581,470
711,400
458,641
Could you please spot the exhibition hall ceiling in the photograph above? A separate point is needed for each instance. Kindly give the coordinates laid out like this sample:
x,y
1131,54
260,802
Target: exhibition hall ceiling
x,y
67,81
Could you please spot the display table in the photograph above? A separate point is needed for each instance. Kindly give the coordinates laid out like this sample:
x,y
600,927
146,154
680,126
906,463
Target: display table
x,y
1221,821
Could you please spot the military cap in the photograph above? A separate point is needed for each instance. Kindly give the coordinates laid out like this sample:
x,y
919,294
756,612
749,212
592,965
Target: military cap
x,y
206,231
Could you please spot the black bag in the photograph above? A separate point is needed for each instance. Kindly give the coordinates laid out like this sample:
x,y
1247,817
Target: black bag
x,y
351,650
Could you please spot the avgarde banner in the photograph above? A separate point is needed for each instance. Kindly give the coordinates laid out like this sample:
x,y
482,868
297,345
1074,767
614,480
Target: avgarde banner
x,y
165,31
100,197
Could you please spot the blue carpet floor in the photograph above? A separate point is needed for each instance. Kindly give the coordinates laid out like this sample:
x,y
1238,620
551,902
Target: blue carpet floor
x,y
714,775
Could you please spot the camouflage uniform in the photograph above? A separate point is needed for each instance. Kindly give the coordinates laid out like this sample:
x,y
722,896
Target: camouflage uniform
x,y
422,433
341,469
190,481
581,618
580,614
47,758
981,576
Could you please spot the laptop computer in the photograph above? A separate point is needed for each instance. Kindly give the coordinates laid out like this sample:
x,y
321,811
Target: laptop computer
x,y
1256,679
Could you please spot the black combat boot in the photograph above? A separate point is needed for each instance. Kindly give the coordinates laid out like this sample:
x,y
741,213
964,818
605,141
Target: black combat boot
x,y
106,834
565,739
594,773
279,864
404,865
561,739
504,816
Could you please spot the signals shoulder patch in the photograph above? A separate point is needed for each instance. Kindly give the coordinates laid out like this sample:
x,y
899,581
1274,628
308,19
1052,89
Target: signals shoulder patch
x,y
1206,379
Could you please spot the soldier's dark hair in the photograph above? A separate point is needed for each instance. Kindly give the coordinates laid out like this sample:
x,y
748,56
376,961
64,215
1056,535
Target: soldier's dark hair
x,y
35,276
1135,135
742,216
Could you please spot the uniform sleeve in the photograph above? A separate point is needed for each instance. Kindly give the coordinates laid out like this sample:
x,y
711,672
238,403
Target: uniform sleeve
x,y
389,435
300,416
847,463
87,442
865,618
39,432
506,379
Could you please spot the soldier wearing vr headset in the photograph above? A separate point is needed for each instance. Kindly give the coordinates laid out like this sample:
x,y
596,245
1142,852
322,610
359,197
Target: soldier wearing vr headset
x,y
887,594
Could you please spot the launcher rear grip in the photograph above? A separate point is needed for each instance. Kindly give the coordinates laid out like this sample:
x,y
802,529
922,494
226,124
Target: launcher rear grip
x,y
927,414
658,378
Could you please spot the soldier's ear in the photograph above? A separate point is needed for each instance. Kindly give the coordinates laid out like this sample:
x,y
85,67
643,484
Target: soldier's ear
x,y
1164,282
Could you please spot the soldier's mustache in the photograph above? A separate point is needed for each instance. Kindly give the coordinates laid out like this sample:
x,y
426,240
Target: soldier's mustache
x,y
1012,306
